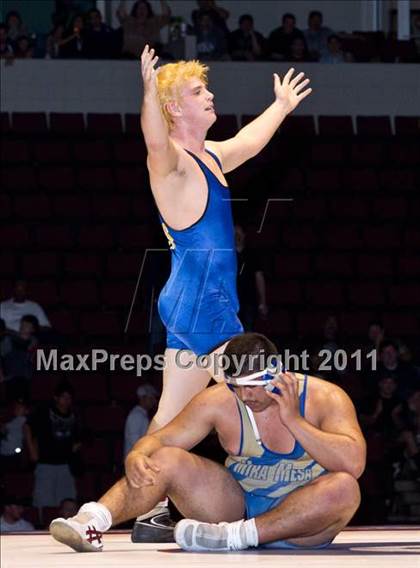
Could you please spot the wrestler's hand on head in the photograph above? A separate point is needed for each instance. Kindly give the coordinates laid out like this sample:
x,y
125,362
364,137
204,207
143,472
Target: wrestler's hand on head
x,y
290,92
148,71
140,470
288,400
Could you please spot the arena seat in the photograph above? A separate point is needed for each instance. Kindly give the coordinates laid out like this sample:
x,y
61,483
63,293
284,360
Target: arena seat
x,y
343,236
101,324
39,264
292,263
57,179
225,127
104,124
366,153
19,179
390,208
118,294
124,264
285,292
90,388
95,237
71,206
5,125
30,123
14,151
349,208
99,179
130,151
132,124
366,293
16,236
115,207
33,207
334,264
7,262
64,320
92,151
82,264
407,125
110,418
131,179
409,265
381,237
405,294
379,126
339,126
324,293
5,207
54,237
297,237
47,152
319,180
375,265
123,387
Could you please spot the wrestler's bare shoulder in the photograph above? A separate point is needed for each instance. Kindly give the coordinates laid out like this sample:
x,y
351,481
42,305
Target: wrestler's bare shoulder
x,y
321,392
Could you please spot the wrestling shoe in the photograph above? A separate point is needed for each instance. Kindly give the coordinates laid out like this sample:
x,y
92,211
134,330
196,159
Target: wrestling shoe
x,y
154,526
198,536
78,532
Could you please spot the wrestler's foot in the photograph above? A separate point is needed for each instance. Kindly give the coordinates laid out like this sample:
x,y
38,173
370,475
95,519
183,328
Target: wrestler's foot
x,y
197,536
78,532
154,526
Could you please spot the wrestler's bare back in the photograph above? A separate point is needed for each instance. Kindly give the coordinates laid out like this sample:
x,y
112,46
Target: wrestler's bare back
x,y
181,196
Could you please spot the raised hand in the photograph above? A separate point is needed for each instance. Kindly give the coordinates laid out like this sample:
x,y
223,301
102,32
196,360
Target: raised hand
x,y
148,71
288,400
290,92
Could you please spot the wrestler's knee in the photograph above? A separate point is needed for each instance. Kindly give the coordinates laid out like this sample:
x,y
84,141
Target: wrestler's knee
x,y
342,490
170,460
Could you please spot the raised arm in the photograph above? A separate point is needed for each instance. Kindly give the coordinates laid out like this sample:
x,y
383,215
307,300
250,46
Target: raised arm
x,y
251,139
162,156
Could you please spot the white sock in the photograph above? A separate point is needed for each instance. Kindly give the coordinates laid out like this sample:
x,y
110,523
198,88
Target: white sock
x,y
101,514
242,534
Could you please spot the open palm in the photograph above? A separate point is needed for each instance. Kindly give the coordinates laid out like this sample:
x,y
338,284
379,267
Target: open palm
x,y
290,92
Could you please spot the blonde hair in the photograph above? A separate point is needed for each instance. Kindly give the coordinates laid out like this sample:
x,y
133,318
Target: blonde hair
x,y
172,76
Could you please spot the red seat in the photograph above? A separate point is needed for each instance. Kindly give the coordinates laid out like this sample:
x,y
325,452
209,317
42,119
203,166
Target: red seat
x,y
52,152
5,207
398,180
346,237
124,387
327,153
101,324
409,265
109,418
334,264
399,51
33,207
104,124
124,265
403,153
360,180
90,387
67,123
292,264
407,125
335,125
20,178
300,237
57,179
373,126
366,294
310,208
16,236
324,293
366,153
40,264
356,322
136,237
82,264
29,123
96,179
43,384
54,237
12,151
118,294
374,265
284,292
311,322
92,151
412,238
130,151
405,295
131,179
95,237
7,264
348,207
79,293
96,454
72,206
143,207
5,125
402,323
298,125
226,126
112,207
64,321
44,293
323,180
381,237
132,124
390,208
19,484
87,484
278,322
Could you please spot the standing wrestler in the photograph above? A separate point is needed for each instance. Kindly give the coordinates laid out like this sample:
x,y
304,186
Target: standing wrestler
x,y
290,479
199,303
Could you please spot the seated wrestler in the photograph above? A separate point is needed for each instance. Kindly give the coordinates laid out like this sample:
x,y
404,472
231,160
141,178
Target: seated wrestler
x,y
290,480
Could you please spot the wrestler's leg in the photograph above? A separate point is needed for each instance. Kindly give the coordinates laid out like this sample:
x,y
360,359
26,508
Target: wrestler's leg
x,y
200,488
180,385
313,514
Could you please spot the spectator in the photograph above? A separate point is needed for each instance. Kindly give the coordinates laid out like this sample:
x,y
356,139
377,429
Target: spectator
x,y
246,44
11,519
142,27
376,334
217,14
385,406
72,44
11,435
211,41
68,508
6,45
298,51
24,48
251,282
15,26
138,420
281,39
100,39
15,308
53,438
390,365
17,352
334,52
55,41
316,36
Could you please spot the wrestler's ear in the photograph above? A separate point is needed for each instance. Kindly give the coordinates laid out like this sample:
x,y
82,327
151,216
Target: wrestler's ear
x,y
173,108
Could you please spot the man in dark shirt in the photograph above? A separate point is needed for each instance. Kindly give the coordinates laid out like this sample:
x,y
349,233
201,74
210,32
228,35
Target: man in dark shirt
x,y
100,39
390,365
281,39
246,44
251,282
53,438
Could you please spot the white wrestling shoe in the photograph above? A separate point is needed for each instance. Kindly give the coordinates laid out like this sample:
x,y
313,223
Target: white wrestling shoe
x,y
78,532
198,536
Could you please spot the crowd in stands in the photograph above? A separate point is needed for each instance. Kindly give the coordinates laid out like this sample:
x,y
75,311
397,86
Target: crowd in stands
x,y
75,35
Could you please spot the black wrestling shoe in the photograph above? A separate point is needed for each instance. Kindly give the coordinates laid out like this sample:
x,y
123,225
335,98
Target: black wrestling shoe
x,y
155,526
